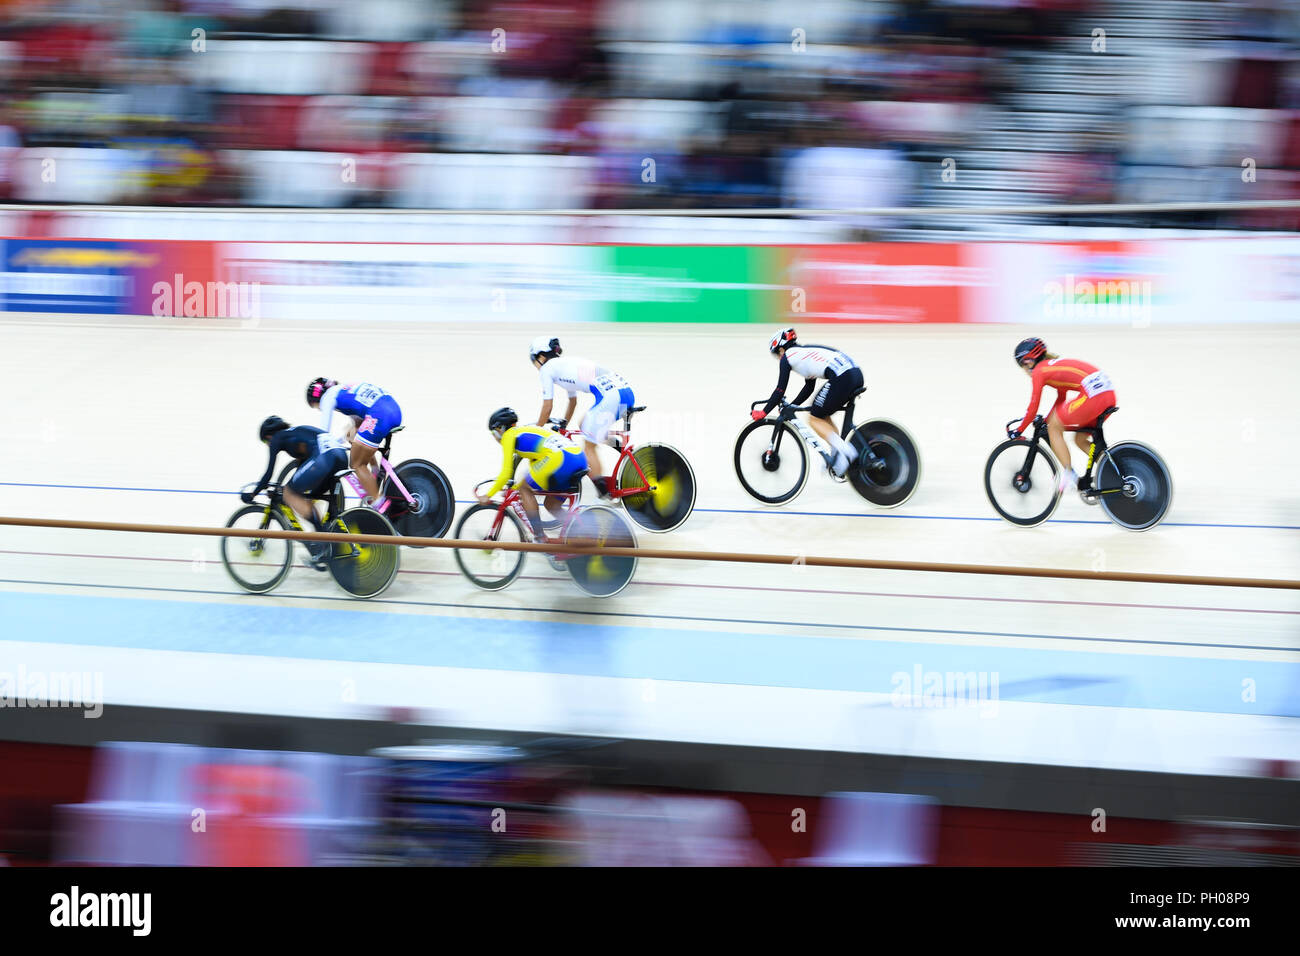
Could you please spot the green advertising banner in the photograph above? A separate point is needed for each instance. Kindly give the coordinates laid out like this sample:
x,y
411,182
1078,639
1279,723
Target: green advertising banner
x,y
698,283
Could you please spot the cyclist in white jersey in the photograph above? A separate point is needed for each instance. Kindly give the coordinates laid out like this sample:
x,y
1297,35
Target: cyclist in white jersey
x,y
843,379
611,392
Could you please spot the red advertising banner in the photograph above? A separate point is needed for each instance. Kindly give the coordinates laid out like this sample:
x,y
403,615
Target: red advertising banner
x,y
881,282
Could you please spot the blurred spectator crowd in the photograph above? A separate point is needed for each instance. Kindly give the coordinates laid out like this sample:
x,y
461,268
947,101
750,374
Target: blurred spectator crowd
x,y
652,104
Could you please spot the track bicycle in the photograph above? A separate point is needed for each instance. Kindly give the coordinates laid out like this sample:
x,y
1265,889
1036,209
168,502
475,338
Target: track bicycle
x,y
1129,480
771,456
415,496
505,520
259,565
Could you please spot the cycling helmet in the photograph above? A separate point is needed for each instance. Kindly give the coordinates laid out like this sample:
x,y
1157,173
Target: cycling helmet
x,y
317,388
1030,349
547,345
270,426
782,339
502,419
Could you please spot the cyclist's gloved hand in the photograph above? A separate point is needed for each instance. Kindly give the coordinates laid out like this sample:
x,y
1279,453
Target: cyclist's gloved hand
x,y
758,414
246,497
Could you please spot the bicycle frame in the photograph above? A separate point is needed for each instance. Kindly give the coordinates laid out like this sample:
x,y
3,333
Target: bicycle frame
x,y
514,502
1096,448
789,413
626,450
389,473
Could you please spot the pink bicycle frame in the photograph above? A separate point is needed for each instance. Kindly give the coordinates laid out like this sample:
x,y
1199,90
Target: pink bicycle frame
x,y
382,505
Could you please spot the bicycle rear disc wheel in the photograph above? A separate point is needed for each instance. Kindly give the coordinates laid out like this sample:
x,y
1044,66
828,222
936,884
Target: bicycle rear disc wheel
x,y
490,568
671,497
434,505
257,564
1023,499
1147,488
598,574
773,477
894,484
364,570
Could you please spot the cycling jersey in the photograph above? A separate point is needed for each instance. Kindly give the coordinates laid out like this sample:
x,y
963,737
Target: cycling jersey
x,y
812,362
554,457
1071,375
375,412
319,453
575,375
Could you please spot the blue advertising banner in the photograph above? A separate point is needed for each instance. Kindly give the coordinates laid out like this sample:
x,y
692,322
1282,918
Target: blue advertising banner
x,y
74,275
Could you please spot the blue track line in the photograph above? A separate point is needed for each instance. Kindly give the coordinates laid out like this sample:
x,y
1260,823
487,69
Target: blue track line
x,y
737,511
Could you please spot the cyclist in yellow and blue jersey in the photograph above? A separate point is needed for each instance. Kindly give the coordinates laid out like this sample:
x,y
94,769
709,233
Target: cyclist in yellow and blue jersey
x,y
556,466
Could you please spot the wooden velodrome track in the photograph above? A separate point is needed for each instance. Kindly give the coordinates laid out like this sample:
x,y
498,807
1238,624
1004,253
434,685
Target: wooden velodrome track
x,y
134,420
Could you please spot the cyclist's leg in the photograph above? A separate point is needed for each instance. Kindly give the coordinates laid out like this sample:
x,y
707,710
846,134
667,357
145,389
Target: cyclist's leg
x,y
1056,432
1083,412
314,477
385,415
830,398
595,429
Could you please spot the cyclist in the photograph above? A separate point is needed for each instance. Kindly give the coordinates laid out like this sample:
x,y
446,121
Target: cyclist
x,y
557,464
1096,394
843,379
319,455
611,391
373,414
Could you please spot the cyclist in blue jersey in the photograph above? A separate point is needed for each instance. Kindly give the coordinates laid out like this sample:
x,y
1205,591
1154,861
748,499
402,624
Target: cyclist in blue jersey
x,y
373,414
319,455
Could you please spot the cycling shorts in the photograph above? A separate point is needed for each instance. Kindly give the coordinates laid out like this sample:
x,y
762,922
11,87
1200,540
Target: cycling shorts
x,y
315,477
836,393
558,472
612,403
380,419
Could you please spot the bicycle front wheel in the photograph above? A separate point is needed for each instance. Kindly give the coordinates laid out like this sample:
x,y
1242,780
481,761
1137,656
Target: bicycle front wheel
x,y
429,512
257,564
670,497
490,568
771,461
1145,489
1025,496
364,570
600,575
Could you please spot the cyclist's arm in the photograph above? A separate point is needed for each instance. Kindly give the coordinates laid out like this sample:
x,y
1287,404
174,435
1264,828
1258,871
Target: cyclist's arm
x,y
1033,404
265,480
572,407
783,379
507,464
545,413
808,385
328,402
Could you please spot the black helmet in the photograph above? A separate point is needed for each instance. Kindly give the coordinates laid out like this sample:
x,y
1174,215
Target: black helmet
x,y
1030,349
502,418
272,425
317,388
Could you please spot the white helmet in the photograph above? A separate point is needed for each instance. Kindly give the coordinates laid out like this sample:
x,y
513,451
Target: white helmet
x,y
542,344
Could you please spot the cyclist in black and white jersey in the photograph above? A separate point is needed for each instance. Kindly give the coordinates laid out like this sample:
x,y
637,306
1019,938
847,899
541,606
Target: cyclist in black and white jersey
x,y
843,379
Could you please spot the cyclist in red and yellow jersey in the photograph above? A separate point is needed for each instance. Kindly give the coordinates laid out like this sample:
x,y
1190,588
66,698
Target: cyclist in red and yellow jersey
x,y
1095,395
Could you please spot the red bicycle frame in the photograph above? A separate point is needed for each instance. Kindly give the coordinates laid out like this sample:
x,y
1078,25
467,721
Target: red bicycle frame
x,y
626,450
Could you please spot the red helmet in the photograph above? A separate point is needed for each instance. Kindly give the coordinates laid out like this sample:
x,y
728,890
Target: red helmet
x,y
782,339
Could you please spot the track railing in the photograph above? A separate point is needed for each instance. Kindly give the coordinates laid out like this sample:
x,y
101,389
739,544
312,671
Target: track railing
x,y
737,557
